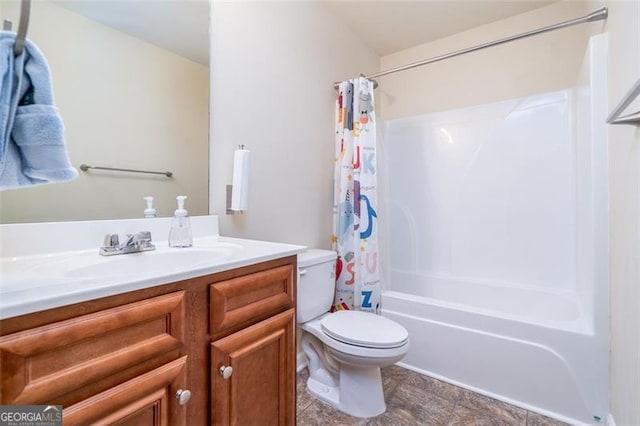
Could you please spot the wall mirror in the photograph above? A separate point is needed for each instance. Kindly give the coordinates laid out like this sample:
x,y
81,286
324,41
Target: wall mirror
x,y
131,82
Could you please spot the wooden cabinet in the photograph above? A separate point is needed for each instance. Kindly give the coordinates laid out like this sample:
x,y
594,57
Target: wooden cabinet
x,y
122,359
84,363
253,322
261,388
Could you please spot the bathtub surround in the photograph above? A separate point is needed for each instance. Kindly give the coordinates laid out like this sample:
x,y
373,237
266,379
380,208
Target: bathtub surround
x,y
355,226
503,248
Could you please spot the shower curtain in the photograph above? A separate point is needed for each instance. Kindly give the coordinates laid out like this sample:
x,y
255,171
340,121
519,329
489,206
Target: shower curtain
x,y
355,199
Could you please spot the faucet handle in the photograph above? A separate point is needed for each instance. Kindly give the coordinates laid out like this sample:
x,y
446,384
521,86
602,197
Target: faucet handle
x,y
144,240
144,236
111,240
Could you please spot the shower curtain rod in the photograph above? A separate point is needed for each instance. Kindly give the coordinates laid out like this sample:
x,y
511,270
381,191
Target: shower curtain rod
x,y
598,15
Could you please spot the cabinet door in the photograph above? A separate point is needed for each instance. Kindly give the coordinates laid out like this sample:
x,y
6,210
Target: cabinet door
x,y
261,389
147,400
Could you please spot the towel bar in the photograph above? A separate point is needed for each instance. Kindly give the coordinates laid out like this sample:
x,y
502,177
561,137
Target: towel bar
x,y
86,167
633,118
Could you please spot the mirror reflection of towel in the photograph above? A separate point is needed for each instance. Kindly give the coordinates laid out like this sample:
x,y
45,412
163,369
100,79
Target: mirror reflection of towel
x,y
32,148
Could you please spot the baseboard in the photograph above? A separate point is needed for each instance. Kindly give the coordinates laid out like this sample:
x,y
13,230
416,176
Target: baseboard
x,y
610,420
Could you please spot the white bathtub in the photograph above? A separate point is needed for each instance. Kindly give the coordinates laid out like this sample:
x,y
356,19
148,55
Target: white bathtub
x,y
551,309
519,345
497,228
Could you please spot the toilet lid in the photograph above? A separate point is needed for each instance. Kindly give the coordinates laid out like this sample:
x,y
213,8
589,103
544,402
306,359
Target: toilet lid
x,y
364,329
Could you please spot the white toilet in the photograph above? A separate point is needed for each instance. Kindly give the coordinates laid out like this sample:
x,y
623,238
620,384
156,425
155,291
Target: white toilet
x,y
345,349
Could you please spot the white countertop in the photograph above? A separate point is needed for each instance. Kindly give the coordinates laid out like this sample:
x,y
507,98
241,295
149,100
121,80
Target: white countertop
x,y
31,283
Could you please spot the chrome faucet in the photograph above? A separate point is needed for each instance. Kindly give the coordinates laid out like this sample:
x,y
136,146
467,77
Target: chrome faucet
x,y
134,243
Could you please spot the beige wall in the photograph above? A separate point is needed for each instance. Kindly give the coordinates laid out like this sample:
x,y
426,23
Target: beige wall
x,y
154,117
538,64
624,159
273,68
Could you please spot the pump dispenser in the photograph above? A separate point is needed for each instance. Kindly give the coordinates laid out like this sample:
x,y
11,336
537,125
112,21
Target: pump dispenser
x,y
149,211
180,234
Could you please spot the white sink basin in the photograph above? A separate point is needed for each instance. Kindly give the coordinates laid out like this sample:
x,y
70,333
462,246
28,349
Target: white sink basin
x,y
149,262
89,264
48,265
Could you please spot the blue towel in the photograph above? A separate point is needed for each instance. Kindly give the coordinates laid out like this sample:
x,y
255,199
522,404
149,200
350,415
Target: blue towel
x,y
32,149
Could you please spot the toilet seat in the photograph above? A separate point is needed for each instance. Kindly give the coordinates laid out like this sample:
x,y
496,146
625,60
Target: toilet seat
x,y
364,329
315,328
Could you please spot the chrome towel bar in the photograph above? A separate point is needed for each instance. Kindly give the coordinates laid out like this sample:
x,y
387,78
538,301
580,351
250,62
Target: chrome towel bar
x,y
633,118
86,167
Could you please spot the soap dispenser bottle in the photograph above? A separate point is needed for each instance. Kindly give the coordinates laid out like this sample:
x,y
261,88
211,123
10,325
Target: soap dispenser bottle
x,y
180,234
149,212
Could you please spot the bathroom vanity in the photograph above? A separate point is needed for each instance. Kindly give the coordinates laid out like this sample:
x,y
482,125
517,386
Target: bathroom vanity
x,y
216,347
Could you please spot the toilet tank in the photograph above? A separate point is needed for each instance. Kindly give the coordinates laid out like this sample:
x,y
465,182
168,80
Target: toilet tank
x,y
316,283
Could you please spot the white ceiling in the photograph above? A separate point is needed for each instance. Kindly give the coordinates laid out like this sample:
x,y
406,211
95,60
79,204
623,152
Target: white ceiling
x,y
388,26
181,26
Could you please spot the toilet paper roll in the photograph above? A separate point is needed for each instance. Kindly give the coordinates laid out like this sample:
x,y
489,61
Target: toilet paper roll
x,y
240,183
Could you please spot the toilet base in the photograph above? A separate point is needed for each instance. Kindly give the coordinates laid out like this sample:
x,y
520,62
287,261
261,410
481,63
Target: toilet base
x,y
328,394
359,393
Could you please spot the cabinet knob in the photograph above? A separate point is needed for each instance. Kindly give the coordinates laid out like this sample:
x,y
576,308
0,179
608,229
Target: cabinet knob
x,y
226,371
183,396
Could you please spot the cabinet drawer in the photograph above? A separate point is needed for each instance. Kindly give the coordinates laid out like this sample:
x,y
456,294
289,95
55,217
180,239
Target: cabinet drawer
x,y
148,399
67,361
245,300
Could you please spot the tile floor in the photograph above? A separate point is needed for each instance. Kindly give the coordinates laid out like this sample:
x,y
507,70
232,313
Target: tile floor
x,y
413,399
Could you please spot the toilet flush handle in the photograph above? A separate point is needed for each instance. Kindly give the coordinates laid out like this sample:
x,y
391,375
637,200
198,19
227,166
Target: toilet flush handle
x,y
303,272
